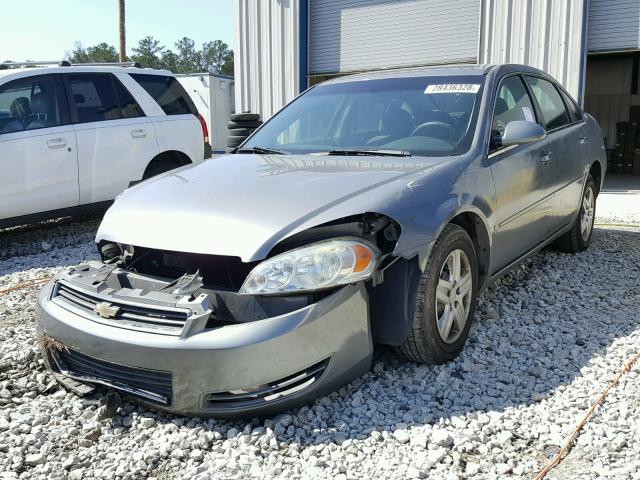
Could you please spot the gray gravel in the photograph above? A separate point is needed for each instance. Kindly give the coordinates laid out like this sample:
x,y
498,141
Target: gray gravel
x,y
546,341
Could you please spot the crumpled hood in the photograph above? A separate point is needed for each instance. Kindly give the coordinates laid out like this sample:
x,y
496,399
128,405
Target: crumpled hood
x,y
243,205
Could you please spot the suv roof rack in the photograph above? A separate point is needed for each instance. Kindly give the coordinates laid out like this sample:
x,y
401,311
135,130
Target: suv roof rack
x,y
66,63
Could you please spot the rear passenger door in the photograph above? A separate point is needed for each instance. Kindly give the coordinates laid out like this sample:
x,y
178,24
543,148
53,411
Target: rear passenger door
x,y
115,139
178,128
522,181
566,148
38,168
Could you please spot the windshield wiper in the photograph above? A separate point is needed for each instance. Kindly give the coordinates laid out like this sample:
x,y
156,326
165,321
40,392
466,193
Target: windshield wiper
x,y
263,150
367,152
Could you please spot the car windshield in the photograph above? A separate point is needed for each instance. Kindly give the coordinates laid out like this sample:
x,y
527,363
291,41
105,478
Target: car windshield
x,y
426,116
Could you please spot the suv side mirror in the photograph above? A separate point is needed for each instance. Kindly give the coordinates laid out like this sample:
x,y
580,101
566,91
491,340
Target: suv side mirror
x,y
521,131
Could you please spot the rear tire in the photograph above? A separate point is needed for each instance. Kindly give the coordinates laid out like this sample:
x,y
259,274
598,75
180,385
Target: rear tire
x,y
445,300
578,238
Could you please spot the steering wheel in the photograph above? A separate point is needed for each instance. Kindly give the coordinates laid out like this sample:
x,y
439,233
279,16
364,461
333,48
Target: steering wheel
x,y
434,129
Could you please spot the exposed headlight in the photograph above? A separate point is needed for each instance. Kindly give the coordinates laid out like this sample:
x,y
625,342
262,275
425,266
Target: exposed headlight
x,y
324,264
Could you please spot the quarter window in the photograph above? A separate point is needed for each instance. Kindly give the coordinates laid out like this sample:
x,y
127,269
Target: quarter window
x,y
28,104
553,110
512,103
167,92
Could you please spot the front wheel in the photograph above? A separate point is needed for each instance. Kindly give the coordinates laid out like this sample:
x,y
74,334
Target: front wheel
x,y
579,237
445,300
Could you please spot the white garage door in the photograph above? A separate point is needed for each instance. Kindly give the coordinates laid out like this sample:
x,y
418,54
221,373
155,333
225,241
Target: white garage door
x,y
355,35
614,25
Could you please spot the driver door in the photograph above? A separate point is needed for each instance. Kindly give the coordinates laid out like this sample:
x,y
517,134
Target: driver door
x,y
522,179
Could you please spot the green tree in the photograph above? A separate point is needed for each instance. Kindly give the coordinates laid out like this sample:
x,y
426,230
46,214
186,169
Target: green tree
x,y
169,60
189,58
149,53
217,58
100,53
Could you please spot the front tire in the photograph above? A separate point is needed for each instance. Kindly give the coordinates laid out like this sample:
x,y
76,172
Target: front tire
x,y
445,300
578,238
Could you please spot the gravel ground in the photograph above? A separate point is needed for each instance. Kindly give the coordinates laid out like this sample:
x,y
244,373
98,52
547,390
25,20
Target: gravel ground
x,y
546,341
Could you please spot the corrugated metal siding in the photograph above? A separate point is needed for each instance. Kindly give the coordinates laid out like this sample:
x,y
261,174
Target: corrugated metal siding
x,y
354,35
614,25
267,55
546,34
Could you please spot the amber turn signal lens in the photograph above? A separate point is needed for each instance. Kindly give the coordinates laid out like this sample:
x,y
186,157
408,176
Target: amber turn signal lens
x,y
363,258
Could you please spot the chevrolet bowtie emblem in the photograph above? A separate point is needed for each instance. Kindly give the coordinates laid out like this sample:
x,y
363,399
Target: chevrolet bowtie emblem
x,y
106,310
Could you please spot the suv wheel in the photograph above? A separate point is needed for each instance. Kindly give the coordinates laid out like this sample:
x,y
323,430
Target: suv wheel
x,y
445,300
579,237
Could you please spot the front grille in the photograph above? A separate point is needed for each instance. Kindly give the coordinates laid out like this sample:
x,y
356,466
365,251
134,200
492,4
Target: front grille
x,y
265,394
218,271
138,317
154,385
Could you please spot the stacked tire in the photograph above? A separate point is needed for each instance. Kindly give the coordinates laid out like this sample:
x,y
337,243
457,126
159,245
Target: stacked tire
x,y
240,126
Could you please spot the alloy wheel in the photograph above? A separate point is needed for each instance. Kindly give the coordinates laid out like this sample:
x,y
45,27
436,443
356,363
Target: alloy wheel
x,y
588,213
453,295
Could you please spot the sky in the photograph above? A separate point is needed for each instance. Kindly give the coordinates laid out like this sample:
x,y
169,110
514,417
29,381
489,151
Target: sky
x,y
46,29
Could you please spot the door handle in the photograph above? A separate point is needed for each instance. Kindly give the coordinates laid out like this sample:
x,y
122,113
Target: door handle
x,y
57,143
138,133
545,157
582,140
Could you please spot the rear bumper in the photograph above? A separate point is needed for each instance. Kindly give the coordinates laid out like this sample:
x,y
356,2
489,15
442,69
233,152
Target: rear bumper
x,y
220,372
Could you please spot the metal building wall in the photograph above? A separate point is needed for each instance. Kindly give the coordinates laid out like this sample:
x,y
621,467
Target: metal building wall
x,y
614,25
267,54
359,35
546,34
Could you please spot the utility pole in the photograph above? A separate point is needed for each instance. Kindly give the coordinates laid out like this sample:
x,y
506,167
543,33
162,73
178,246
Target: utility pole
x,y
123,48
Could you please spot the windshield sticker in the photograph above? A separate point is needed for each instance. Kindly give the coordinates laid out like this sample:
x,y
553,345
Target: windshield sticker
x,y
528,116
453,88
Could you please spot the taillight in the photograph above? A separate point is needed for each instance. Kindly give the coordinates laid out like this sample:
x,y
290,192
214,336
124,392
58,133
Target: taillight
x,y
205,130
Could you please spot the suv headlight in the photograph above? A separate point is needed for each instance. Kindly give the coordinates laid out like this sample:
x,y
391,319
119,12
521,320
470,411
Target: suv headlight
x,y
321,265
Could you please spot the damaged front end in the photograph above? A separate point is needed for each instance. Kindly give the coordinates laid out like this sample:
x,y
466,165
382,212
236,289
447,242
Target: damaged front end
x,y
177,330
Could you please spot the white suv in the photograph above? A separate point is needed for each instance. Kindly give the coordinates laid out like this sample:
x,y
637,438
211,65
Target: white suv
x,y
73,137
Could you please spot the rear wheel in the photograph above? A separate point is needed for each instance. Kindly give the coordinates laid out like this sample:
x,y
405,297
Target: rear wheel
x,y
445,300
579,237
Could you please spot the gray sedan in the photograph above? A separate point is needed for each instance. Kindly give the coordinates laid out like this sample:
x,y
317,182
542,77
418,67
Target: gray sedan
x,y
371,210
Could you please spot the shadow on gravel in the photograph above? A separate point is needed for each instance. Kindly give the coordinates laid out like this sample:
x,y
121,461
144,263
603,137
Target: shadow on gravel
x,y
533,333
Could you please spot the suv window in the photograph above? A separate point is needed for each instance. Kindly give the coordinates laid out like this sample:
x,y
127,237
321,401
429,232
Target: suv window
x,y
167,92
130,108
576,113
28,104
512,103
553,110
99,97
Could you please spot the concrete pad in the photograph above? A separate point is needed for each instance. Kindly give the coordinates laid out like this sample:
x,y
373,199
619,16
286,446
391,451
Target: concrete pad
x,y
619,200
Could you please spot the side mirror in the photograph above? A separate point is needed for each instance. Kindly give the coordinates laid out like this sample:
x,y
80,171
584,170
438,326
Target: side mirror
x,y
521,131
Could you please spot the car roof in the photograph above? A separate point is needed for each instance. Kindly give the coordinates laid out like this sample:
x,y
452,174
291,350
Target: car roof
x,y
38,70
430,71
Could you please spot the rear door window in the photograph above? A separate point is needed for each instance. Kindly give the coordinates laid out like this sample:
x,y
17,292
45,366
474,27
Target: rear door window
x,y
29,103
94,97
167,92
99,97
576,113
553,110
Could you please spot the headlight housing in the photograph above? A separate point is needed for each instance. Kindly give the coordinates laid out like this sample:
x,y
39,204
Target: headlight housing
x,y
325,264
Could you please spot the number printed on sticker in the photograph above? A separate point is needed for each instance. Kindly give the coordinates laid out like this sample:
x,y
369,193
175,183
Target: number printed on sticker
x,y
453,88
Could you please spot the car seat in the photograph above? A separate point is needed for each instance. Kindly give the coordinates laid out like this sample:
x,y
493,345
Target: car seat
x,y
19,112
